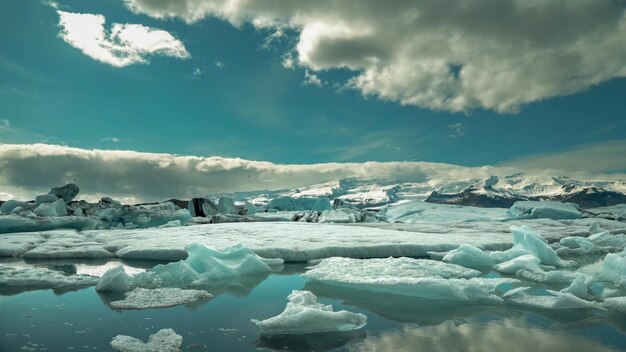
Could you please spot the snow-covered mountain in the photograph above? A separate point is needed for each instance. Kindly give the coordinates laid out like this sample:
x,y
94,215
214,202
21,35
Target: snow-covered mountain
x,y
494,191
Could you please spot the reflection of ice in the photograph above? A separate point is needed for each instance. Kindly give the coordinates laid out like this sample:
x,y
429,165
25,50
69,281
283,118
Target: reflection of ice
x,y
99,270
510,335
405,308
310,342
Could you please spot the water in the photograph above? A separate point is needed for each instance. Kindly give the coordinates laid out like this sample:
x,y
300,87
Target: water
x,y
83,321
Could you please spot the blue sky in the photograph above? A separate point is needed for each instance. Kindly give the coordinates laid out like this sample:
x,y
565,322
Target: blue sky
x,y
242,101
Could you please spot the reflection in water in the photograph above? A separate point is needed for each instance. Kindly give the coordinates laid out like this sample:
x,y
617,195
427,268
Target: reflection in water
x,y
510,335
405,308
310,342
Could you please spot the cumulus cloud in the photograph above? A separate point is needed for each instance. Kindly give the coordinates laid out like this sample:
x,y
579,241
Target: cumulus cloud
x,y
123,45
440,54
311,79
28,169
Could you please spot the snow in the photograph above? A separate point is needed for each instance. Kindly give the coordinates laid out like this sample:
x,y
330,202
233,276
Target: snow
x,y
165,340
469,256
42,278
408,277
538,210
555,300
304,315
203,266
141,298
56,208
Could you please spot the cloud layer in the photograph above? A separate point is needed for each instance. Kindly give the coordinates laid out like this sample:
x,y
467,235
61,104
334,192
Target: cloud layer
x,y
30,169
440,54
124,45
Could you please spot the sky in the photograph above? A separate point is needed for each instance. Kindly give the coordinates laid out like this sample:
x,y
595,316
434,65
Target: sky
x,y
529,83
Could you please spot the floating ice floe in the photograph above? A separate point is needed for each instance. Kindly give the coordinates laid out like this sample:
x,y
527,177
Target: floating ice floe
x,y
554,300
202,266
524,239
614,269
304,315
141,298
41,278
165,340
408,277
538,209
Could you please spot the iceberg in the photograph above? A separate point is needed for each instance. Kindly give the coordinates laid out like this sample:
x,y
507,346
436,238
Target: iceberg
x,y
539,210
304,315
419,211
531,242
15,223
202,266
165,340
616,303
525,262
287,203
56,208
11,204
67,192
141,298
614,269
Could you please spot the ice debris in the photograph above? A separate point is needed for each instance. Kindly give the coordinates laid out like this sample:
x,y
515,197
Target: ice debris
x,y
554,300
202,266
304,315
469,256
141,298
35,277
165,340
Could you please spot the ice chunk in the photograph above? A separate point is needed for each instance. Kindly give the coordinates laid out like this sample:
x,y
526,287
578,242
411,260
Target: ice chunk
x,y
143,216
304,315
202,266
16,244
250,208
141,298
408,277
607,240
468,256
115,280
614,269
336,216
56,208
45,198
165,340
16,223
11,204
67,192
530,241
41,278
580,287
576,245
616,303
556,300
226,205
527,262
287,203
539,210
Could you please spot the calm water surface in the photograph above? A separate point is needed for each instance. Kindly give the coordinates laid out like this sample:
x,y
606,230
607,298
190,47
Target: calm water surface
x,y
83,320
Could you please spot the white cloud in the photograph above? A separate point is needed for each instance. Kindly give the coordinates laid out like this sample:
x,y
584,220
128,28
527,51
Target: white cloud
x,y
311,79
219,64
442,55
607,156
110,139
456,130
5,123
124,45
29,169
